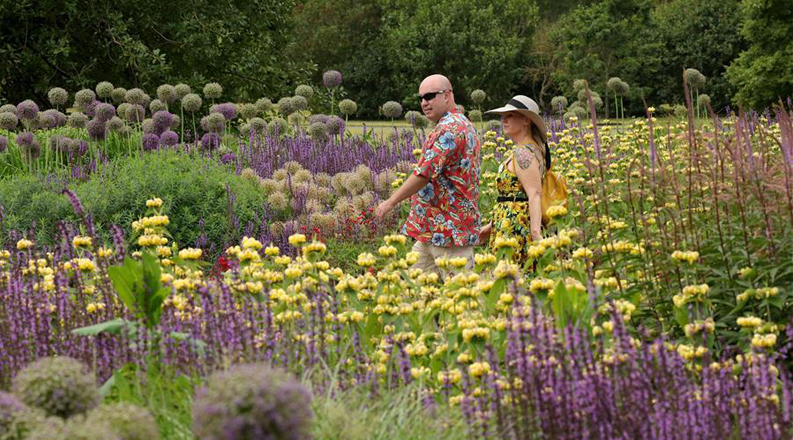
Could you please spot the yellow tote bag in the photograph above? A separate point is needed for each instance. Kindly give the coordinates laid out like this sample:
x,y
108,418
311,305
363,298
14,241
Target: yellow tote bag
x,y
554,192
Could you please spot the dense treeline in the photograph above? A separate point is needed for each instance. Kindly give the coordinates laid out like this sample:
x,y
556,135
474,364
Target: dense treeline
x,y
257,48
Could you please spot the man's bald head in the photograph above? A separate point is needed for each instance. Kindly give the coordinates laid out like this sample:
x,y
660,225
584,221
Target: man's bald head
x,y
434,83
442,102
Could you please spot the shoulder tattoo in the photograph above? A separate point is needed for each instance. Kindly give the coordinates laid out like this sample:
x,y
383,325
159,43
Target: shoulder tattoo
x,y
524,157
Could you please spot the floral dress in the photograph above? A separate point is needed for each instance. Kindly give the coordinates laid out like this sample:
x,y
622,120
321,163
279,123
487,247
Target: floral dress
x,y
510,214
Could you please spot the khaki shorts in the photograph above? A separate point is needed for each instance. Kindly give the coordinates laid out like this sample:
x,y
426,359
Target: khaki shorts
x,y
428,253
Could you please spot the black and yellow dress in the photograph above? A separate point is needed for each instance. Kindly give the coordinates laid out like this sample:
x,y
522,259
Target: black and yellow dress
x,y
510,215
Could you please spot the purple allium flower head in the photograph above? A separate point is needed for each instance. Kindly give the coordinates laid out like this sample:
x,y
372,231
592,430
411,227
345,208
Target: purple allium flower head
x,y
77,120
210,141
83,97
162,121
169,138
182,90
79,147
318,131
258,126
11,108
58,96
214,122
45,121
27,110
228,158
90,108
135,96
228,110
252,401
331,78
105,112
213,90
135,113
299,102
25,138
9,404
16,418
115,124
118,94
348,107
392,109
61,144
156,106
60,118
191,102
59,385
129,421
166,93
104,89
97,129
3,144
150,141
8,121
334,125
318,118
285,106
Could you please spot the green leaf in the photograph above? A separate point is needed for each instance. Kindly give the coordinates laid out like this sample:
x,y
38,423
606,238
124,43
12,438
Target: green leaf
x,y
115,327
681,316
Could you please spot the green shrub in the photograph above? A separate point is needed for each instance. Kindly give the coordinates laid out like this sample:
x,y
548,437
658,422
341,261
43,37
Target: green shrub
x,y
193,188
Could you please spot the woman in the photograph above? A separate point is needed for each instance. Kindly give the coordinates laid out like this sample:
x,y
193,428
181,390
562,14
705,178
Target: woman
x,y
518,211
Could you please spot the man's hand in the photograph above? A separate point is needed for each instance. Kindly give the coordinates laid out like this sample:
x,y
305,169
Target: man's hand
x,y
383,209
410,187
484,233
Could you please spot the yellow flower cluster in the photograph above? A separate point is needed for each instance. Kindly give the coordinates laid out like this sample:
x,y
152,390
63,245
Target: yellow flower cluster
x,y
154,203
297,239
366,259
556,211
583,253
749,322
190,254
81,242
251,243
24,244
685,256
152,240
693,328
764,341
540,284
478,369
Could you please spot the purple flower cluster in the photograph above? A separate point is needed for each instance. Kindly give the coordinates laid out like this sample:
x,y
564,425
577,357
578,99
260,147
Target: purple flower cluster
x,y
228,110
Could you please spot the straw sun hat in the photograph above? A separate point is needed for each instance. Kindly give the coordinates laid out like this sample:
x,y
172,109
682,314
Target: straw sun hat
x,y
526,106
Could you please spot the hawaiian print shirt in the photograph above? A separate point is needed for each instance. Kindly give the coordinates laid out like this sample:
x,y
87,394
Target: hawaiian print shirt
x,y
445,212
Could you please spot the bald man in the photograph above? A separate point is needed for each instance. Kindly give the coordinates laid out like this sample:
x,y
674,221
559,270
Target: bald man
x,y
444,187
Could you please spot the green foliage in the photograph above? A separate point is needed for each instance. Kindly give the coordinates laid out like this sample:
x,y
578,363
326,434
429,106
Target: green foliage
x,y
77,43
607,39
193,187
700,34
399,414
139,287
391,45
166,394
763,73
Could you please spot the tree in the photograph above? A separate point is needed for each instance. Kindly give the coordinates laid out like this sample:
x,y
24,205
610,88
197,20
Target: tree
x,y
144,43
700,34
477,43
763,73
607,39
544,60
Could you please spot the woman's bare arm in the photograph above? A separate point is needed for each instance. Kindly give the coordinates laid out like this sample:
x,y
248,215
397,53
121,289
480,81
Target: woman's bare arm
x,y
527,168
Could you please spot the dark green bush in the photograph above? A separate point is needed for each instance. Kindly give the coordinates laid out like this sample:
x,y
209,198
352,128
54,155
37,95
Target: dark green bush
x,y
193,189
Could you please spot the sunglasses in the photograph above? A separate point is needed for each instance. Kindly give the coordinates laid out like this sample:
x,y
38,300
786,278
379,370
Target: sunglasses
x,y
429,96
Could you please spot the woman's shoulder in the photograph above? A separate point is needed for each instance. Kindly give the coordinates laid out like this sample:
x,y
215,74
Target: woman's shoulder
x,y
526,155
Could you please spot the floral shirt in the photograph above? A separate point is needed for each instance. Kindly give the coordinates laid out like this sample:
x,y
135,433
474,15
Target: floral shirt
x,y
445,212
